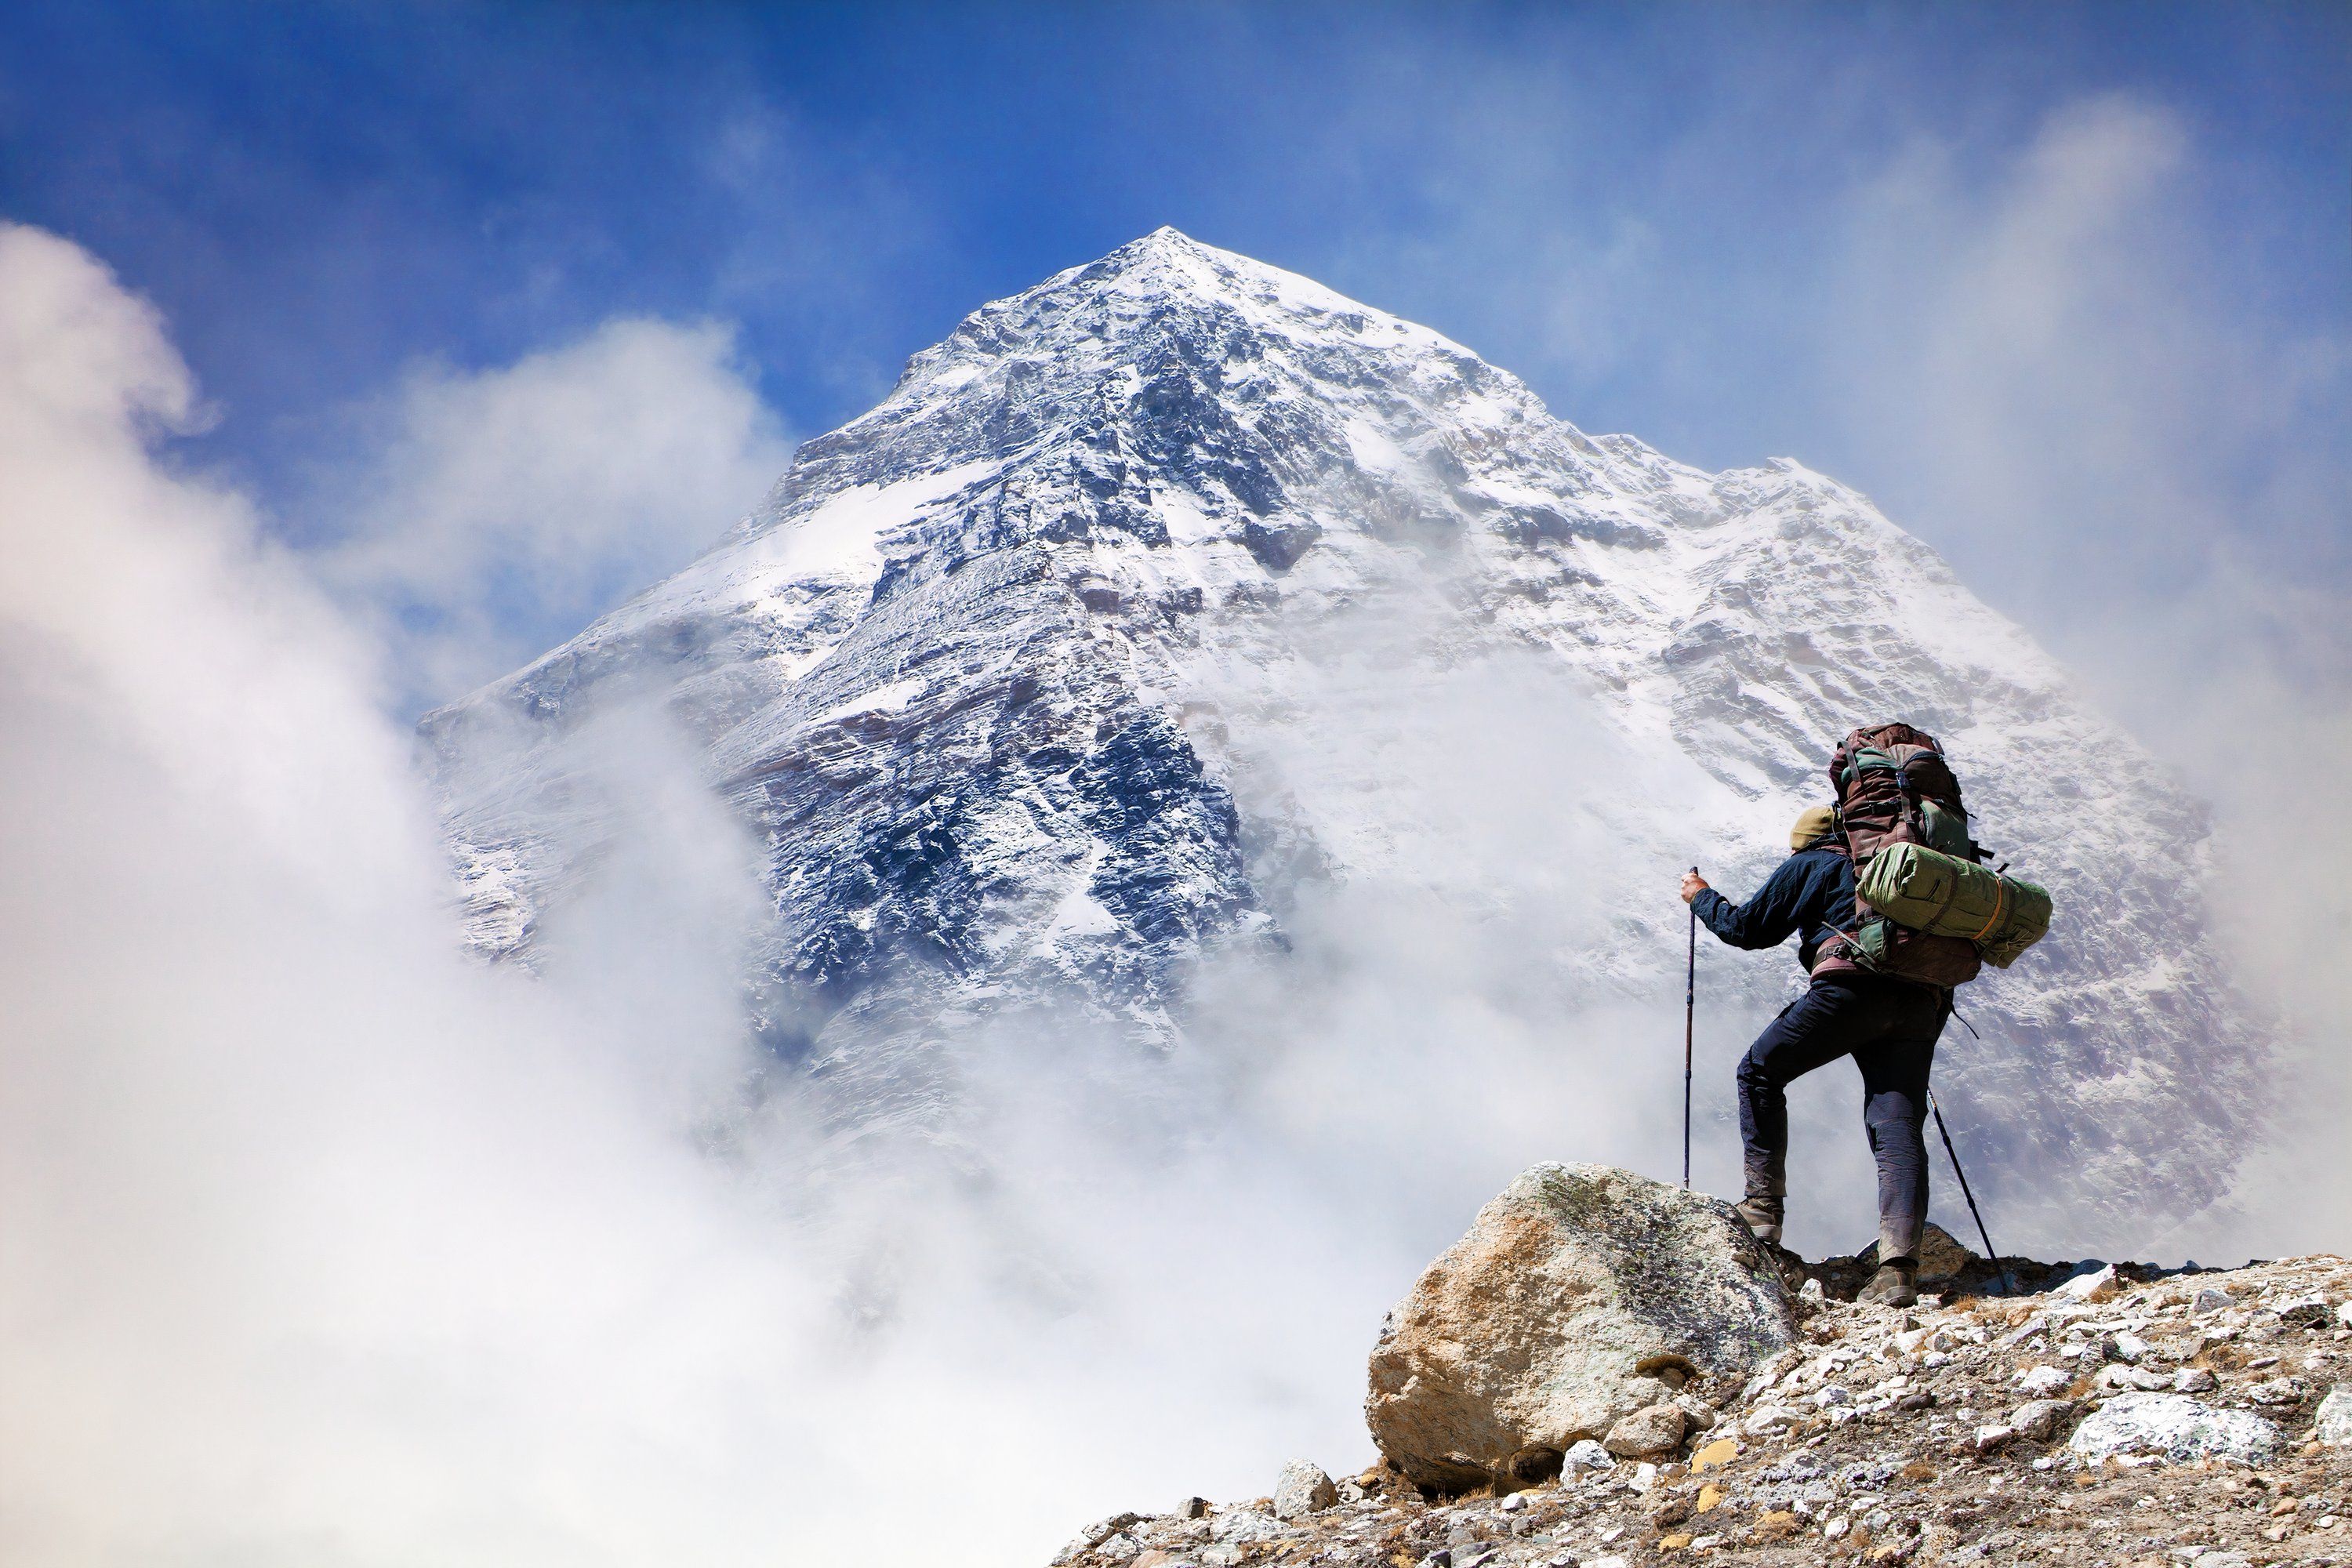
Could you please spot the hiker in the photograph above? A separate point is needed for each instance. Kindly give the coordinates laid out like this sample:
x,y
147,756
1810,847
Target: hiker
x,y
1888,1026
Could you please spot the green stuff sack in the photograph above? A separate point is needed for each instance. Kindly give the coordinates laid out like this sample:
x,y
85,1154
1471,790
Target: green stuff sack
x,y
1916,887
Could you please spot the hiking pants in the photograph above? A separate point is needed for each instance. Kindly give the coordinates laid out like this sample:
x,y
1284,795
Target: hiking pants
x,y
1889,1028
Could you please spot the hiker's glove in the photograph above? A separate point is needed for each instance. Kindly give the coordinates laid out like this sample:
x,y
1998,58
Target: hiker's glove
x,y
1693,886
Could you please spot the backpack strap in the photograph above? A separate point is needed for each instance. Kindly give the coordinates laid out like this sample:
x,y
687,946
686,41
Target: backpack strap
x,y
1999,905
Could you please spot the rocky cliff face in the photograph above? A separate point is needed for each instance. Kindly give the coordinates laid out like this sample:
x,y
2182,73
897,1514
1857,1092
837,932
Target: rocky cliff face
x,y
2085,1413
1004,674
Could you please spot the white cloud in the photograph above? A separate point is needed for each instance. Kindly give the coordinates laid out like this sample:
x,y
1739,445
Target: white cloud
x,y
2148,469
493,513
2046,356
321,1243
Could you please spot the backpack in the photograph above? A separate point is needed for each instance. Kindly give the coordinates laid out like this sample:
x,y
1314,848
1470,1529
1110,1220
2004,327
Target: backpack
x,y
1894,787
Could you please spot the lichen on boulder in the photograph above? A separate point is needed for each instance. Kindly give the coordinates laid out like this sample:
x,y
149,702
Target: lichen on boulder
x,y
1581,1294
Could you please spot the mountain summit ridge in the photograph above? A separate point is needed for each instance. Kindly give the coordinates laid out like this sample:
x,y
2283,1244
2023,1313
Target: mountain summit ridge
x,y
1008,674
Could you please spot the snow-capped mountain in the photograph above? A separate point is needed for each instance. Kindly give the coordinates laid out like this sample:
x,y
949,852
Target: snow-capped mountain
x,y
1009,677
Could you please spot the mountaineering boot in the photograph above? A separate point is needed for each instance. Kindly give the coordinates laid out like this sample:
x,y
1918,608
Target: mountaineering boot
x,y
1762,1214
1897,1284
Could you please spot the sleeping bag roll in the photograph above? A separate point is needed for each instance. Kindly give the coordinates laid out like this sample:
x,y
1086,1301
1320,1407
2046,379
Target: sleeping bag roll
x,y
1927,891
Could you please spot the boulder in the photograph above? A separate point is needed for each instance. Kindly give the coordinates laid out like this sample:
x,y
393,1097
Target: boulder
x,y
2176,1427
2041,1382
2094,1282
1650,1433
1555,1317
2332,1424
1941,1254
2038,1418
1095,1534
1303,1489
1587,1455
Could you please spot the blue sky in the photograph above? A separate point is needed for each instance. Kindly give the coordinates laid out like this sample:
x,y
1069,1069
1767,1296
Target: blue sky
x,y
1836,232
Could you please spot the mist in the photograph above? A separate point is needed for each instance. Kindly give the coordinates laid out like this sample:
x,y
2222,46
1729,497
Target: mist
x,y
326,1243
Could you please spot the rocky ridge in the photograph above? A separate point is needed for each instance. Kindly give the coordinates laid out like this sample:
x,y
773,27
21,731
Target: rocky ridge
x,y
2061,1413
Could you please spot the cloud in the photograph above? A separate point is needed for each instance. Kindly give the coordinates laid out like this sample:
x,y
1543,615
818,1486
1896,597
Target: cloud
x,y
2072,396
2061,337
302,1210
2055,356
491,513
324,1243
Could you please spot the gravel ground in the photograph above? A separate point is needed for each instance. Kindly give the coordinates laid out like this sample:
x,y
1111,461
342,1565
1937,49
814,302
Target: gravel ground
x,y
2136,1416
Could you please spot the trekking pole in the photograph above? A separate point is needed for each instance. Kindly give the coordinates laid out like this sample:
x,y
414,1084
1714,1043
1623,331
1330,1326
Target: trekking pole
x,y
1990,1256
1690,1013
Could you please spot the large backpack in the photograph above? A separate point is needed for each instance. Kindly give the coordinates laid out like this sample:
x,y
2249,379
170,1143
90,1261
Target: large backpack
x,y
1894,787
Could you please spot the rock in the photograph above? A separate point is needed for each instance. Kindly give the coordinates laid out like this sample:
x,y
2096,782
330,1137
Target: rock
x,y
1572,1283
1714,1456
2176,1427
2038,1418
2279,1391
2192,1380
1697,1414
2333,1424
1941,1255
1587,1455
2212,1298
1192,1507
2041,1382
1303,1489
1646,1434
2094,1284
1095,1534
1771,1418
2344,1313
2305,1312
1641,1391
1988,1438
2128,1347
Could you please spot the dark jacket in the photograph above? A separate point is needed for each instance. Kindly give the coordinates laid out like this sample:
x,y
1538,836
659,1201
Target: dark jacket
x,y
1810,894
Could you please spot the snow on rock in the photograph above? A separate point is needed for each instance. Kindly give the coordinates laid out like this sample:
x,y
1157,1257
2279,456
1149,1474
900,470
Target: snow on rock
x,y
994,676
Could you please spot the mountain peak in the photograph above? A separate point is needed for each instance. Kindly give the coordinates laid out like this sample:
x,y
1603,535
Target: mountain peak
x,y
1010,677
1153,281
